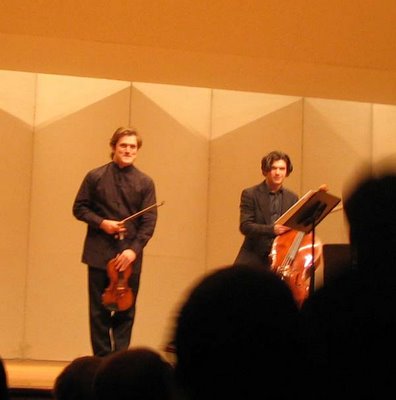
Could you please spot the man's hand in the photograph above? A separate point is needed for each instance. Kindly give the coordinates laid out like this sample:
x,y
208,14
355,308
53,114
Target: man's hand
x,y
112,227
279,229
124,259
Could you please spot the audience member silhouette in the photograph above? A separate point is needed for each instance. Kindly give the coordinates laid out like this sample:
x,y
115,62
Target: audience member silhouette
x,y
75,382
235,337
139,373
350,324
4,394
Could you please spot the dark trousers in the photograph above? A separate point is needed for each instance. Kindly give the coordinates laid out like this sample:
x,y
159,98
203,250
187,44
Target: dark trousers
x,y
251,258
110,330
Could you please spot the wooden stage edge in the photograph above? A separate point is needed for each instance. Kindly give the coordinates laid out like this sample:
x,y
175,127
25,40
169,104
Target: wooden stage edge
x,y
41,374
32,374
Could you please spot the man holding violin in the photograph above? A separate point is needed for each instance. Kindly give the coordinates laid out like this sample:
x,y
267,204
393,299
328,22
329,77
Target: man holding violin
x,y
113,248
260,206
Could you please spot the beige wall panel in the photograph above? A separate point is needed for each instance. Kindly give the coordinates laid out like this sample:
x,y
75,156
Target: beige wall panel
x,y
384,131
177,159
165,283
15,173
235,163
17,95
187,105
57,309
59,96
234,109
337,137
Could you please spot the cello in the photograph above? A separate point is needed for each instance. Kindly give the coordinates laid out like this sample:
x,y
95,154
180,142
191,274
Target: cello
x,y
296,253
291,256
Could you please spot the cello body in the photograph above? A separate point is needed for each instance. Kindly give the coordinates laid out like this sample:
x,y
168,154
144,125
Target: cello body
x,y
118,296
291,259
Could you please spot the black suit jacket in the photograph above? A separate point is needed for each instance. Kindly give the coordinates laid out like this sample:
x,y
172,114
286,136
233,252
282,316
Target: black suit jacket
x,y
255,223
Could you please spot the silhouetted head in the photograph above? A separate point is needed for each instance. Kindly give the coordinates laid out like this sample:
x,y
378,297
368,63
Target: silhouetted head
x,y
76,380
4,395
234,334
139,374
370,210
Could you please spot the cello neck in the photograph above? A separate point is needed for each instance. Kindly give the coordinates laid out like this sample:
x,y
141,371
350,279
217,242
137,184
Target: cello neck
x,y
293,249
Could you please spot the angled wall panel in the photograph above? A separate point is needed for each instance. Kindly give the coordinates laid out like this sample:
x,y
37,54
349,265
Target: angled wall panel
x,y
68,144
235,161
174,122
17,101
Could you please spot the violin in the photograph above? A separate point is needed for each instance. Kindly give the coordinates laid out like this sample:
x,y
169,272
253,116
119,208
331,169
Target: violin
x,y
118,296
291,256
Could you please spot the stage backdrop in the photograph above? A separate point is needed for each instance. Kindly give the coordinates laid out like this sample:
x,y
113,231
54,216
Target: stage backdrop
x,y
201,146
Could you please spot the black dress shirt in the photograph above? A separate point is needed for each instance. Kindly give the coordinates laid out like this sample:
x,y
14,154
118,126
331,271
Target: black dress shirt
x,y
111,192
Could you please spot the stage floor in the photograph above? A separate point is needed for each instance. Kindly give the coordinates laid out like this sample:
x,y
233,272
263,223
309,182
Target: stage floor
x,y
31,374
37,374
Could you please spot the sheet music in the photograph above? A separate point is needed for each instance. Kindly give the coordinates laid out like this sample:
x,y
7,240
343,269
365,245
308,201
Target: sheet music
x,y
309,210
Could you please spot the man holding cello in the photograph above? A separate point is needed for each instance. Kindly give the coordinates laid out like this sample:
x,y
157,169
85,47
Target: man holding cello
x,y
113,247
260,206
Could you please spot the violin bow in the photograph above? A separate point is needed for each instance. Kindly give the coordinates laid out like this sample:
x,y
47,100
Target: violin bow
x,y
138,214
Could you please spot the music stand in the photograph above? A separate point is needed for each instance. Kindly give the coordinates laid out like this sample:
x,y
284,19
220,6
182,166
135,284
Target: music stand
x,y
305,215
